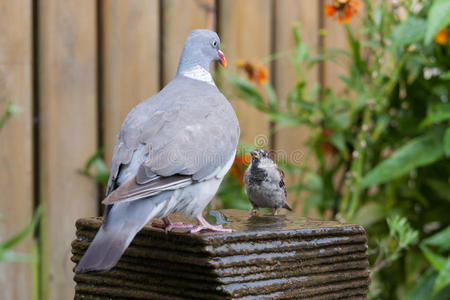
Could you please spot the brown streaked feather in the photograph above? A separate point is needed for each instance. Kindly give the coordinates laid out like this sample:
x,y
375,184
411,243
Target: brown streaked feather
x,y
283,186
281,183
286,205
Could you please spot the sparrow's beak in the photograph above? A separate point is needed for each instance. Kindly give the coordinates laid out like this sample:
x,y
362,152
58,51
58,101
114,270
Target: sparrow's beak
x,y
222,59
254,154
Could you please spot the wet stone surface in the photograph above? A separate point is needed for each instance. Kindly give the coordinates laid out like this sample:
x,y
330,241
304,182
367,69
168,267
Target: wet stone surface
x,y
266,257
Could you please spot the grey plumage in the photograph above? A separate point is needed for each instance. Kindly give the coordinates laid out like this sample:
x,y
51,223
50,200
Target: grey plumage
x,y
264,183
171,154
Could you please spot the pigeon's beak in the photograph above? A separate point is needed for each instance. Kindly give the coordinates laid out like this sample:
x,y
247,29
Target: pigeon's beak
x,y
222,59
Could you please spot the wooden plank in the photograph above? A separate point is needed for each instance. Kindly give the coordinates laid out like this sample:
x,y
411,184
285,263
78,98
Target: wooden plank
x,y
68,132
130,61
181,17
16,141
290,141
245,35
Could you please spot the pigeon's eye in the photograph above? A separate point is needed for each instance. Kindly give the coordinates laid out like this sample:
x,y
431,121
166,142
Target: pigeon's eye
x,y
214,43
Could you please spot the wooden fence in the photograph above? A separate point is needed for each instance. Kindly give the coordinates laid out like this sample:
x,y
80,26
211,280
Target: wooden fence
x,y
76,67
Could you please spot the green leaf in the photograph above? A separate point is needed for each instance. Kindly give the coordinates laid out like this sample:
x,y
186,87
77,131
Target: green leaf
x,y
445,76
369,214
231,194
314,91
401,230
355,48
443,278
440,239
11,110
318,58
408,32
436,260
9,243
244,148
442,188
296,33
13,256
312,200
438,18
338,140
285,119
414,66
447,142
273,101
314,182
436,113
422,290
100,172
301,53
247,91
418,152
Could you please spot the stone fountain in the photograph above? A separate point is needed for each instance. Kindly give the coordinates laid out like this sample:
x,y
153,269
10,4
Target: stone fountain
x,y
266,257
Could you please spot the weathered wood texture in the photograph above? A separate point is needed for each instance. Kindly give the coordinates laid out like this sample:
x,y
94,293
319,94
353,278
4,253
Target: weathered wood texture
x,y
179,18
94,60
68,136
245,31
130,61
16,141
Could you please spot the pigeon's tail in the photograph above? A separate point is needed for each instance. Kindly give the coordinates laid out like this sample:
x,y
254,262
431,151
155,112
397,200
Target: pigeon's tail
x,y
286,205
122,223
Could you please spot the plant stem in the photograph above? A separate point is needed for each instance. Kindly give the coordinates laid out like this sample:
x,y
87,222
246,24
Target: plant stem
x,y
351,196
4,118
11,110
302,176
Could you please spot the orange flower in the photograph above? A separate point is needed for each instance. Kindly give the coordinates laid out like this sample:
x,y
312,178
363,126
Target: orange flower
x,y
256,73
261,74
345,9
325,146
442,36
329,10
237,170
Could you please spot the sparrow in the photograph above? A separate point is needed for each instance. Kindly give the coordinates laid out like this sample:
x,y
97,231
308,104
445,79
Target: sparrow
x,y
171,155
264,183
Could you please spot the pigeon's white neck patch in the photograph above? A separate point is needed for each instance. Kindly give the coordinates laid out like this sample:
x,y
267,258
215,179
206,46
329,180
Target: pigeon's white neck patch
x,y
199,73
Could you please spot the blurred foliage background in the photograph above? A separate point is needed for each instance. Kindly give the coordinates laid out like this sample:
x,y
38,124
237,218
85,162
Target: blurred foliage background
x,y
381,149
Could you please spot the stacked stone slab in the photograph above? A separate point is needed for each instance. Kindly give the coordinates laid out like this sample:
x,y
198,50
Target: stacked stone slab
x,y
273,257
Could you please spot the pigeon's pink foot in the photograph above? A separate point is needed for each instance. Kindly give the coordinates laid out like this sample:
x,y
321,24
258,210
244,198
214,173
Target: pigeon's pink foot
x,y
204,225
169,225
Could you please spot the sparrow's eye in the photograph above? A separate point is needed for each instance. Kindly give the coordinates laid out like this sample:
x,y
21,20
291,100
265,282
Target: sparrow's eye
x,y
214,43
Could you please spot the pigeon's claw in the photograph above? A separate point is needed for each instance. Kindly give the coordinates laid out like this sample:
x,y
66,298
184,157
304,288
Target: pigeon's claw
x,y
169,225
204,225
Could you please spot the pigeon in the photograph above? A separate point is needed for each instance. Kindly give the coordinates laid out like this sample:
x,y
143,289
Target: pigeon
x,y
171,155
264,183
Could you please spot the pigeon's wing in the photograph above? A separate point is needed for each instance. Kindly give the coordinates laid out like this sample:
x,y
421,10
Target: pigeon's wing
x,y
190,140
134,189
